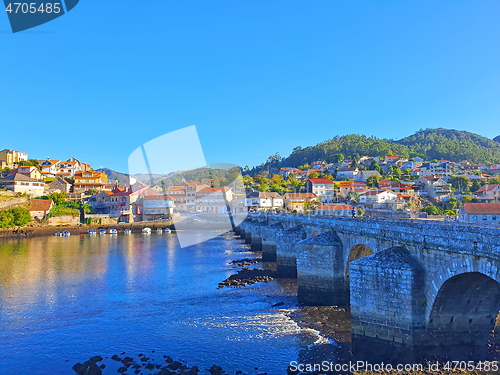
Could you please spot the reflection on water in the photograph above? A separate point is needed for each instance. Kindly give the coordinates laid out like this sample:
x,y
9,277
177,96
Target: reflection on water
x,y
63,300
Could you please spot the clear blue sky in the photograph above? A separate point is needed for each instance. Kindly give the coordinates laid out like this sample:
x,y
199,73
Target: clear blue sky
x,y
255,77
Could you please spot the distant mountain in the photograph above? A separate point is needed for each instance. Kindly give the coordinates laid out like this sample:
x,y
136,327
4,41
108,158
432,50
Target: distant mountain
x,y
430,144
497,139
113,175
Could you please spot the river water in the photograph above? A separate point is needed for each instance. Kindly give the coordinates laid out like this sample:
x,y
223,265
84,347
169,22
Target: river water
x,y
63,300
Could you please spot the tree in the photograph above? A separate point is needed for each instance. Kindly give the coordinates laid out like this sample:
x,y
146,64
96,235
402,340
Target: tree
x,y
314,175
360,212
460,182
373,180
431,210
14,217
467,199
92,191
475,185
374,166
335,158
58,198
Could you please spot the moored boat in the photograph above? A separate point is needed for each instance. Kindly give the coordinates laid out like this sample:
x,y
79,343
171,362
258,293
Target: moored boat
x,y
66,233
128,231
92,232
58,234
102,232
159,231
146,230
113,231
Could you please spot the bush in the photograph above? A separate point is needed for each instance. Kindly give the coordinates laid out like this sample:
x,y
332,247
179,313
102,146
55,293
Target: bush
x,y
62,211
431,210
15,217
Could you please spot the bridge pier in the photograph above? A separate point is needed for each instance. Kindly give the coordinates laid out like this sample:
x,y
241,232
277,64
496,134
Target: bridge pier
x,y
320,271
256,237
269,234
387,300
286,255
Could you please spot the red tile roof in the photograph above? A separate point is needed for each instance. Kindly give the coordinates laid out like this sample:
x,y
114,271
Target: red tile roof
x,y
40,204
300,195
214,190
487,188
482,208
321,181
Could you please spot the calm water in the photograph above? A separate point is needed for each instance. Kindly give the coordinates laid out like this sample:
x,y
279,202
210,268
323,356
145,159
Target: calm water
x,y
63,300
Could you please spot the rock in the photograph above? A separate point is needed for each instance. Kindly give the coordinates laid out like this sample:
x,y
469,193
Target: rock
x,y
150,366
168,359
103,366
238,372
127,360
175,365
122,369
115,358
278,304
144,359
137,371
215,370
95,359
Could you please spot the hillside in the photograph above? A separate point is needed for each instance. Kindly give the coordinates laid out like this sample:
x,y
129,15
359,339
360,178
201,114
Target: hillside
x,y
429,144
497,139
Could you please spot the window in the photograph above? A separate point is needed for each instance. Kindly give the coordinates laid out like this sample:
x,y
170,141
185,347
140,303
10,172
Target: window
x,y
485,217
475,218
494,217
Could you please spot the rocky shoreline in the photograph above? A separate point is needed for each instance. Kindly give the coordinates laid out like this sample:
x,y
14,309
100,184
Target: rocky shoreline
x,y
247,276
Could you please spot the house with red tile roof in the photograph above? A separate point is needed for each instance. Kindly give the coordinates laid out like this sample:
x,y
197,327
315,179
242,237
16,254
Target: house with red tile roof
x,y
480,213
488,193
39,208
323,188
296,201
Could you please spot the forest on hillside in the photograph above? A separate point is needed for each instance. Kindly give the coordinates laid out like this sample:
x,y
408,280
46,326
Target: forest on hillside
x,y
430,144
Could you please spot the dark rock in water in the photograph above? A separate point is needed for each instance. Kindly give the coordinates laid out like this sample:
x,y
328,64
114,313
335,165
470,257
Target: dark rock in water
x,y
168,359
158,366
238,372
141,355
127,360
137,371
122,369
144,359
150,366
95,359
115,357
123,353
175,365
165,371
215,370
88,368
195,370
103,366
278,304
136,366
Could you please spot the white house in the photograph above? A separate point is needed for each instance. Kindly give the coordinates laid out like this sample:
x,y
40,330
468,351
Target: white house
x,y
259,201
347,173
214,200
435,187
486,213
378,196
50,168
20,183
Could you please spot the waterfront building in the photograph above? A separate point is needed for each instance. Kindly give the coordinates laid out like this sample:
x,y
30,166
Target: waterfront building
x,y
485,213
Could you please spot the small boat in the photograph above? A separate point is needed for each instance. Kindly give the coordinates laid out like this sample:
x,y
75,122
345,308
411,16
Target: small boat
x,y
58,234
66,233
128,231
102,232
92,232
113,231
159,231
146,231
168,230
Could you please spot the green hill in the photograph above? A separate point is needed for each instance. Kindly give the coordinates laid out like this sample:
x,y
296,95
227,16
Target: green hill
x,y
497,139
430,144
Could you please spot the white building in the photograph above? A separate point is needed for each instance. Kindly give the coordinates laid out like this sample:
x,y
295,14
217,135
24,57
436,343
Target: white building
x,y
378,196
489,193
19,183
323,188
214,200
334,210
259,201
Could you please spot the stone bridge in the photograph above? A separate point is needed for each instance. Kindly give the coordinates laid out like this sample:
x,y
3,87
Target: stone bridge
x,y
408,282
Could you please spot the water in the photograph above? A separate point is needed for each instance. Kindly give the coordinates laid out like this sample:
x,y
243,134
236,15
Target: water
x,y
63,300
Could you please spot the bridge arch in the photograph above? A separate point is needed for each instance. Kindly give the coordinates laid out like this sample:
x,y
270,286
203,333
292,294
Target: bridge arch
x,y
465,310
356,252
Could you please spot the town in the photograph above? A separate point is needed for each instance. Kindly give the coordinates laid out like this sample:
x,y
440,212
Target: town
x,y
70,192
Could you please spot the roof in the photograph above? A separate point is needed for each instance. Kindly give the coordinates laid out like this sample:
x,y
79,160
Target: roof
x,y
214,190
61,180
482,208
95,174
335,207
41,204
264,194
300,195
159,197
18,177
487,188
377,192
321,181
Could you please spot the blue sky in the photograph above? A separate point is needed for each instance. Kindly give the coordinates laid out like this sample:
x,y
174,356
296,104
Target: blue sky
x,y
255,77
